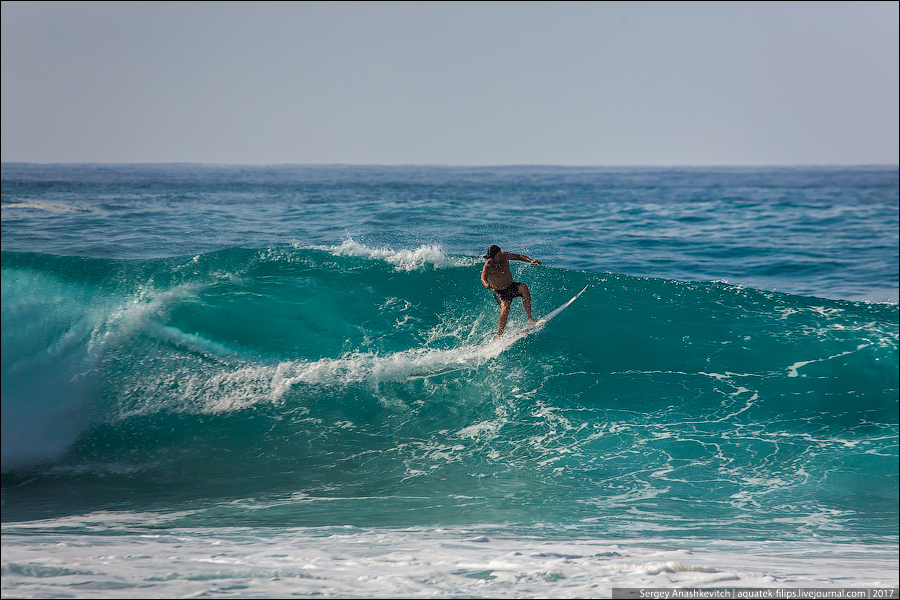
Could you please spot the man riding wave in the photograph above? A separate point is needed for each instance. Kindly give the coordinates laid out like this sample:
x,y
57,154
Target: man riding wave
x,y
496,276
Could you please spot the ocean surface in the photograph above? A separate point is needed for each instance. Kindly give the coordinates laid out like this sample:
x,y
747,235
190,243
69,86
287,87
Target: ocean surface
x,y
282,381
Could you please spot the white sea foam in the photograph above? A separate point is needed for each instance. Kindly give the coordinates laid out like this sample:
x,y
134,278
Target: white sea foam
x,y
403,260
792,370
489,561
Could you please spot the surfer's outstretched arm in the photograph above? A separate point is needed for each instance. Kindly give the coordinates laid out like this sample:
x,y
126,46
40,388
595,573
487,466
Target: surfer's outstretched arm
x,y
522,257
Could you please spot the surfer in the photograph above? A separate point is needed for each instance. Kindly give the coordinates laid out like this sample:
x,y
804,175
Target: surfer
x,y
496,276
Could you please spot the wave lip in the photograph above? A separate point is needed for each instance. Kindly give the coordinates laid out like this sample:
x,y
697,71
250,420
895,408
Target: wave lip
x,y
58,339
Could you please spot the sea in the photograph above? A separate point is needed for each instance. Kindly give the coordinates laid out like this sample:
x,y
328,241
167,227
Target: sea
x,y
283,381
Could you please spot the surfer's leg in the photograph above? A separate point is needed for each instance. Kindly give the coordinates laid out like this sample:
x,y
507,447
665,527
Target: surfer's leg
x,y
505,305
526,301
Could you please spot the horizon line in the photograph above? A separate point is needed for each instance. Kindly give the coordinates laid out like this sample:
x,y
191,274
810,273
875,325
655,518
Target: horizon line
x,y
465,166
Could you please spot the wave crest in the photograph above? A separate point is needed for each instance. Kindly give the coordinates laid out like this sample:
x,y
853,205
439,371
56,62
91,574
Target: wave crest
x,y
402,260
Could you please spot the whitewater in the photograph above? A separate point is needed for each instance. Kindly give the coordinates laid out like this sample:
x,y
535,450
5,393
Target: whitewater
x,y
274,381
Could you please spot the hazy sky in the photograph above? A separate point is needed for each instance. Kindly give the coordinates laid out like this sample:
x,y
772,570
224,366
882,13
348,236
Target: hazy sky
x,y
455,83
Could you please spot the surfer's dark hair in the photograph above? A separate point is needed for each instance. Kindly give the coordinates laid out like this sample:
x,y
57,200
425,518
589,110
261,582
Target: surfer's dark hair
x,y
492,251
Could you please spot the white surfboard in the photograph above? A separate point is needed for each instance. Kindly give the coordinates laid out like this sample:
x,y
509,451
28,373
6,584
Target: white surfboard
x,y
543,320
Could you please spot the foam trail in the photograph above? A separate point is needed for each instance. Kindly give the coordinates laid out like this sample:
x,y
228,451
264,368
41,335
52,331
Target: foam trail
x,y
375,369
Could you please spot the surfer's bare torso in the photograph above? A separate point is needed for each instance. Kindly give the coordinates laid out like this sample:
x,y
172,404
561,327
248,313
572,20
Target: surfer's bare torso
x,y
496,271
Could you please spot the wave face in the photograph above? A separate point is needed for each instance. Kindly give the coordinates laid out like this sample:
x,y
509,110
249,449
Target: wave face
x,y
309,386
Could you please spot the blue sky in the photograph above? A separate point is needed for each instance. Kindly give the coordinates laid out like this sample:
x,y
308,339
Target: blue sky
x,y
452,83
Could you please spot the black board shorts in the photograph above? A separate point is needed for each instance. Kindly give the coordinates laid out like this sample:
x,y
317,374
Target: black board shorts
x,y
508,293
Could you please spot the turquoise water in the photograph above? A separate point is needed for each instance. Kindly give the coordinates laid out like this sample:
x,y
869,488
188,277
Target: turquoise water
x,y
282,348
